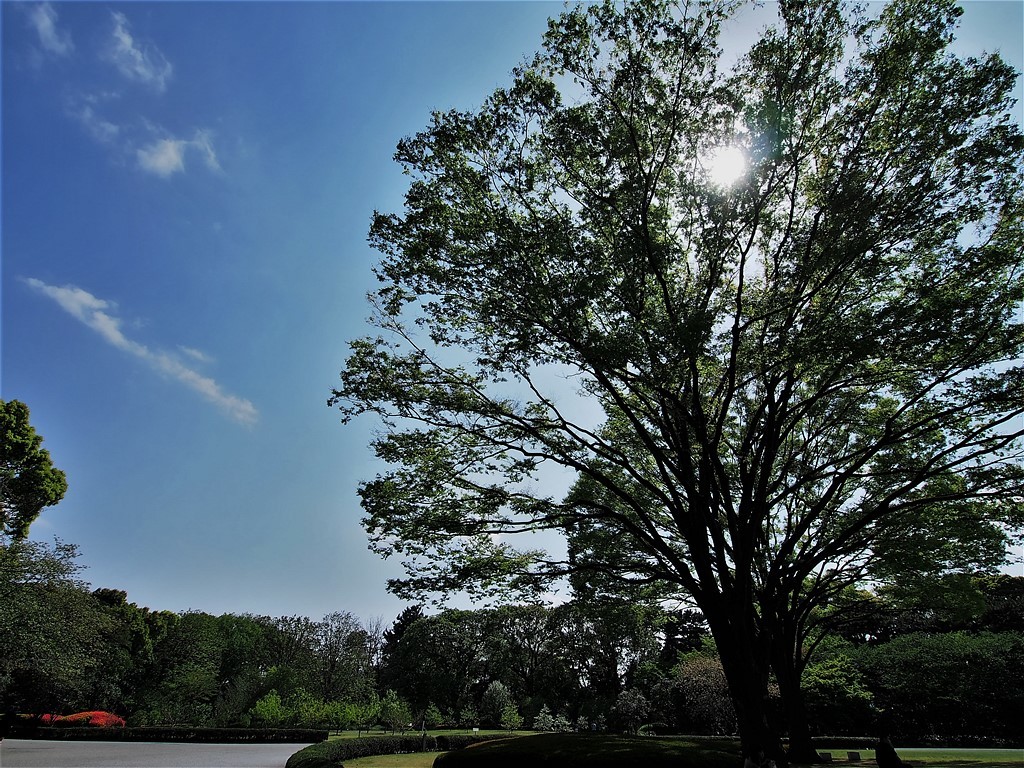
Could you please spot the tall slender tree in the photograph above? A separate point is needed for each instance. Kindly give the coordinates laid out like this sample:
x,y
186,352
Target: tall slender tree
x,y
787,295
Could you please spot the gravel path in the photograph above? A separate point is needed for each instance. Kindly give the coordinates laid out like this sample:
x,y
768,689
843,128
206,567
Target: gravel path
x,y
18,753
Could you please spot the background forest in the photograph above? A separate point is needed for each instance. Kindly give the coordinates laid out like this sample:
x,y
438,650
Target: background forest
x,y
939,660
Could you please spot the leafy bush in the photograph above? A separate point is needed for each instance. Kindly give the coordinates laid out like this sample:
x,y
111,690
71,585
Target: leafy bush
x,y
707,705
495,699
269,710
631,709
837,700
544,720
955,684
395,713
307,710
362,715
511,720
432,717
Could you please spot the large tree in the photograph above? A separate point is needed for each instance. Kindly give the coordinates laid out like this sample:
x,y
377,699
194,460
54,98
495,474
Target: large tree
x,y
766,387
52,631
339,649
28,480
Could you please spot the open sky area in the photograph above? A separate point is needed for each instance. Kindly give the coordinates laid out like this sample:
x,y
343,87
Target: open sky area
x,y
186,191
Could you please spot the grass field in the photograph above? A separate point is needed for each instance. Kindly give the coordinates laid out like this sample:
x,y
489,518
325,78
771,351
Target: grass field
x,y
975,758
938,756
575,750
586,751
418,760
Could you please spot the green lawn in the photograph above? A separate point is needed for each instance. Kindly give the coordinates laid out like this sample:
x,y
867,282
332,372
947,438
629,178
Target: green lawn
x,y
580,750
937,756
587,751
573,750
418,760
975,758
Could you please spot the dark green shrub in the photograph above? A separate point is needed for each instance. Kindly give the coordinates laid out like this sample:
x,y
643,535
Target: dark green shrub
x,y
837,699
954,684
855,743
463,740
314,756
187,734
333,753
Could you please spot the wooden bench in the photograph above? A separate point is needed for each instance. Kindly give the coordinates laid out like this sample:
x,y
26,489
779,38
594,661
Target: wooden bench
x,y
853,757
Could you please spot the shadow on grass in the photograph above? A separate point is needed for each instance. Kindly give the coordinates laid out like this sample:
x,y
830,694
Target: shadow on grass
x,y
942,763
573,750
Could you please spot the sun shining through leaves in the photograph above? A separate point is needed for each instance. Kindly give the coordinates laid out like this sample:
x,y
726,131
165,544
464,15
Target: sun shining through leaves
x,y
726,165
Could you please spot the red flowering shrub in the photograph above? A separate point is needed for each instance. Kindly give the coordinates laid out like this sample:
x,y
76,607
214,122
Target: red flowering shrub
x,y
82,719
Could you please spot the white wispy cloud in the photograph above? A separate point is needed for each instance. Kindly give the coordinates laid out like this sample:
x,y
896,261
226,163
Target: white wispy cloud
x,y
138,142
100,129
100,315
152,149
43,18
136,60
203,143
166,157
196,354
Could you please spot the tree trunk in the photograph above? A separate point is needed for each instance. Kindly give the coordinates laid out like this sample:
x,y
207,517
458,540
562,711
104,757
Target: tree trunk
x,y
745,662
787,673
759,741
788,664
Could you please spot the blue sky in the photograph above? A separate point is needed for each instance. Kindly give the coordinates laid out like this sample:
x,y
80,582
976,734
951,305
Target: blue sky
x,y
186,193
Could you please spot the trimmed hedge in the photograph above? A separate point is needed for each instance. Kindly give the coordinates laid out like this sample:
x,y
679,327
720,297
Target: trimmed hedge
x,y
177,734
463,740
823,743
333,753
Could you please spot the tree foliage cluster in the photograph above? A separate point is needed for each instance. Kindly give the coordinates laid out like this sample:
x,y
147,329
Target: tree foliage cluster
x,y
28,480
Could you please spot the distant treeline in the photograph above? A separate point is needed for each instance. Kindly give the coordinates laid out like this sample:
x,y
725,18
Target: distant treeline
x,y
943,672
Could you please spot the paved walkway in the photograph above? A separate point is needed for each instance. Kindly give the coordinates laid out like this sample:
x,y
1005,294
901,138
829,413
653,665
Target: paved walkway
x,y
18,753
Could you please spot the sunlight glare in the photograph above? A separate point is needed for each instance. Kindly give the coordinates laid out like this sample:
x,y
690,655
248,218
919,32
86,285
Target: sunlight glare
x,y
726,165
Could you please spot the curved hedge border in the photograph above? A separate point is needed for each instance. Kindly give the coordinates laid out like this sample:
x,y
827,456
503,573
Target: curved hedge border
x,y
330,754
